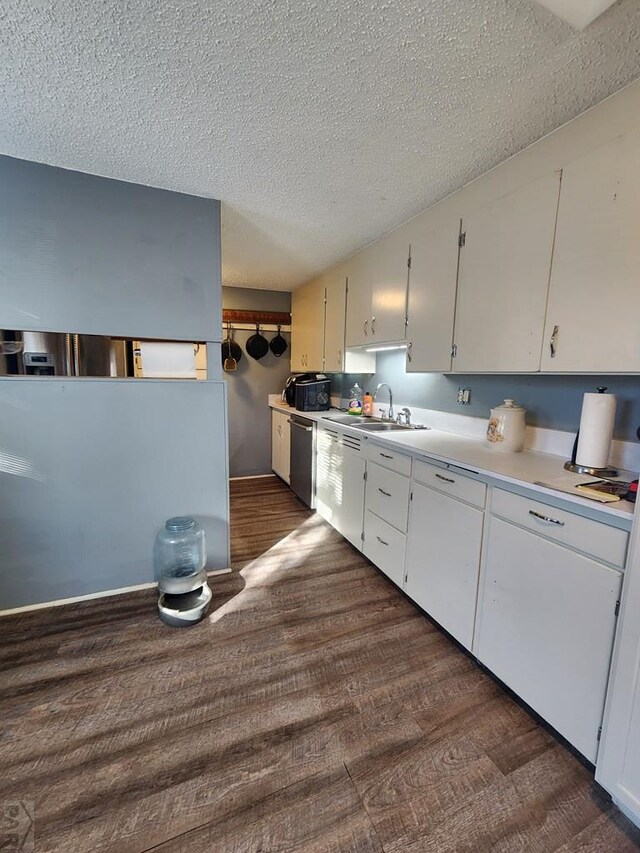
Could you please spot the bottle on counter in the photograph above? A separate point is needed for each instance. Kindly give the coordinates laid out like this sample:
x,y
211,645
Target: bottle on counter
x,y
367,405
355,400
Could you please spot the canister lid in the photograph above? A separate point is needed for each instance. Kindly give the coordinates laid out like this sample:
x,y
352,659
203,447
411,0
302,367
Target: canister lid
x,y
180,522
510,404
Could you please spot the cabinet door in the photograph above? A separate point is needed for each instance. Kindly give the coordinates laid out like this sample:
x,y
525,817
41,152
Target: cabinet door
x,y
280,444
443,560
432,296
503,280
350,510
546,626
594,296
384,546
389,258
328,474
359,294
335,318
307,327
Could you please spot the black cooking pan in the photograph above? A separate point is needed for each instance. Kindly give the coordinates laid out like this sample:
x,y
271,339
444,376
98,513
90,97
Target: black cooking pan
x,y
257,346
231,352
278,345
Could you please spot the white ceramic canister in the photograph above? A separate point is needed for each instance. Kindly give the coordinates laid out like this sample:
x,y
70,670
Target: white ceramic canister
x,y
506,429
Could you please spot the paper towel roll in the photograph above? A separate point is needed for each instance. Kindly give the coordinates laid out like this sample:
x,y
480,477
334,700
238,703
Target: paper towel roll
x,y
596,430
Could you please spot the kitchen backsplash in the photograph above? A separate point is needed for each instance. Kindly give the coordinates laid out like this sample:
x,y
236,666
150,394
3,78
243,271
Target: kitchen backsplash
x,y
553,402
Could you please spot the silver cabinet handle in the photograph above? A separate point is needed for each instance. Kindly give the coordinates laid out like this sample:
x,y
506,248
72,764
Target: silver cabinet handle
x,y
553,342
546,518
386,456
340,358
365,326
409,348
373,325
381,541
445,479
382,492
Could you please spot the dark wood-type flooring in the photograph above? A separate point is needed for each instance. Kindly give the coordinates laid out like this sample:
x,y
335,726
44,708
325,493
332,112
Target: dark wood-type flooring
x,y
314,710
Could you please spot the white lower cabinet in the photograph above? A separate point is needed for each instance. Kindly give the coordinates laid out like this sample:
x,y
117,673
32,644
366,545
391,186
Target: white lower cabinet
x,y
384,546
280,444
443,559
546,623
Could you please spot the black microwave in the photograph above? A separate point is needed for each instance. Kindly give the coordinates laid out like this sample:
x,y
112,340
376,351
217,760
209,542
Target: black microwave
x,y
313,395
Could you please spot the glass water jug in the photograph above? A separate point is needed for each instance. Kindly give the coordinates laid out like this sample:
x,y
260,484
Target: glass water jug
x,y
179,549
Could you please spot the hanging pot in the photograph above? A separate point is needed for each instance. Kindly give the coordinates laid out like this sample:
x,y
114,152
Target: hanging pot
x,y
231,352
278,345
257,345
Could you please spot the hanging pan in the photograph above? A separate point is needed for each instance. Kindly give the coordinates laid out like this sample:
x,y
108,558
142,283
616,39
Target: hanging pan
x,y
278,345
257,345
231,352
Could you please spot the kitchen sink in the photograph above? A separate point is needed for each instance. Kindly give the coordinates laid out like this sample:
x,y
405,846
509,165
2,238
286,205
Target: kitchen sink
x,y
371,424
386,426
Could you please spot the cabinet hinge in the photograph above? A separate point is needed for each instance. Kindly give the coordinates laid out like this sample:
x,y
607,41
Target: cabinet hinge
x,y
617,610
409,262
406,578
364,476
599,732
411,496
462,239
454,350
362,536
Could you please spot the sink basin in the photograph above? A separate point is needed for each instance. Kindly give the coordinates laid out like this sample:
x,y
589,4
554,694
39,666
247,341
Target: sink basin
x,y
386,426
370,424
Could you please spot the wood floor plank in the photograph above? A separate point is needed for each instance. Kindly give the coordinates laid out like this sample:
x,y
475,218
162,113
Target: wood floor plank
x,y
314,709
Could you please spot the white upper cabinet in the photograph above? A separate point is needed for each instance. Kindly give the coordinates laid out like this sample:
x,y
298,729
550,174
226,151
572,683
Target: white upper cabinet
x,y
377,292
432,294
335,313
594,296
503,280
359,290
389,259
307,327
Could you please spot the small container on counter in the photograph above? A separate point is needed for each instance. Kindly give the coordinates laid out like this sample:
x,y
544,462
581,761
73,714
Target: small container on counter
x,y
507,427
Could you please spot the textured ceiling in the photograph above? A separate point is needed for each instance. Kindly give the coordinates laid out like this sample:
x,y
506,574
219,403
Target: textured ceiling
x,y
320,124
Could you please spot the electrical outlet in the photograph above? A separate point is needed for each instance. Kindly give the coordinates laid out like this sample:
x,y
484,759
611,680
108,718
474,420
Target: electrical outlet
x,y
464,396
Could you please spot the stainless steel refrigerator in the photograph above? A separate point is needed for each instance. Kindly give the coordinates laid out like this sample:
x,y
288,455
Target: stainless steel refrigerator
x,y
63,354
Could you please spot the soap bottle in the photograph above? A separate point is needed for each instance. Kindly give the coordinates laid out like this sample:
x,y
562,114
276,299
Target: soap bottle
x,y
367,405
355,400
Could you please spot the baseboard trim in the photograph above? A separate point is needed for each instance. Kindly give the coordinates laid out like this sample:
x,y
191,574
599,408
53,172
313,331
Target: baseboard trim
x,y
43,605
252,477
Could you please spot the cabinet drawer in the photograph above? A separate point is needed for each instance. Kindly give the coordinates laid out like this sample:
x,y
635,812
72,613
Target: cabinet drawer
x,y
450,482
384,546
591,537
389,459
388,495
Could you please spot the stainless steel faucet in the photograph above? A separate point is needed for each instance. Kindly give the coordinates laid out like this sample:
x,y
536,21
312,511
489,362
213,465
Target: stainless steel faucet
x,y
375,397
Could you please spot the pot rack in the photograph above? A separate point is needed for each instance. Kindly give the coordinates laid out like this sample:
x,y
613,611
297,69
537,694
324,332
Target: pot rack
x,y
241,320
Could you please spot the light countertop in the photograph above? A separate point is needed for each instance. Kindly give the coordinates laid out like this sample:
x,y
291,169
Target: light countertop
x,y
528,468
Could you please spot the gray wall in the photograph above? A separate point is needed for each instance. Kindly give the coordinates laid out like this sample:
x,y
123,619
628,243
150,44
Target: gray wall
x,y
90,469
551,401
249,387
80,253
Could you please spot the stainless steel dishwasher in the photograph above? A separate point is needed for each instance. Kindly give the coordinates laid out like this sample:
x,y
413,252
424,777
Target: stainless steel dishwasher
x,y
301,476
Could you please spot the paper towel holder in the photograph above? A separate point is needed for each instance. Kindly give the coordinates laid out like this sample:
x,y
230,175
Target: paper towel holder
x,y
572,465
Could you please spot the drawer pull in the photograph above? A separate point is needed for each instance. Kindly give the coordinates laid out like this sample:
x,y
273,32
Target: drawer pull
x,y
382,492
381,541
546,518
386,456
445,479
